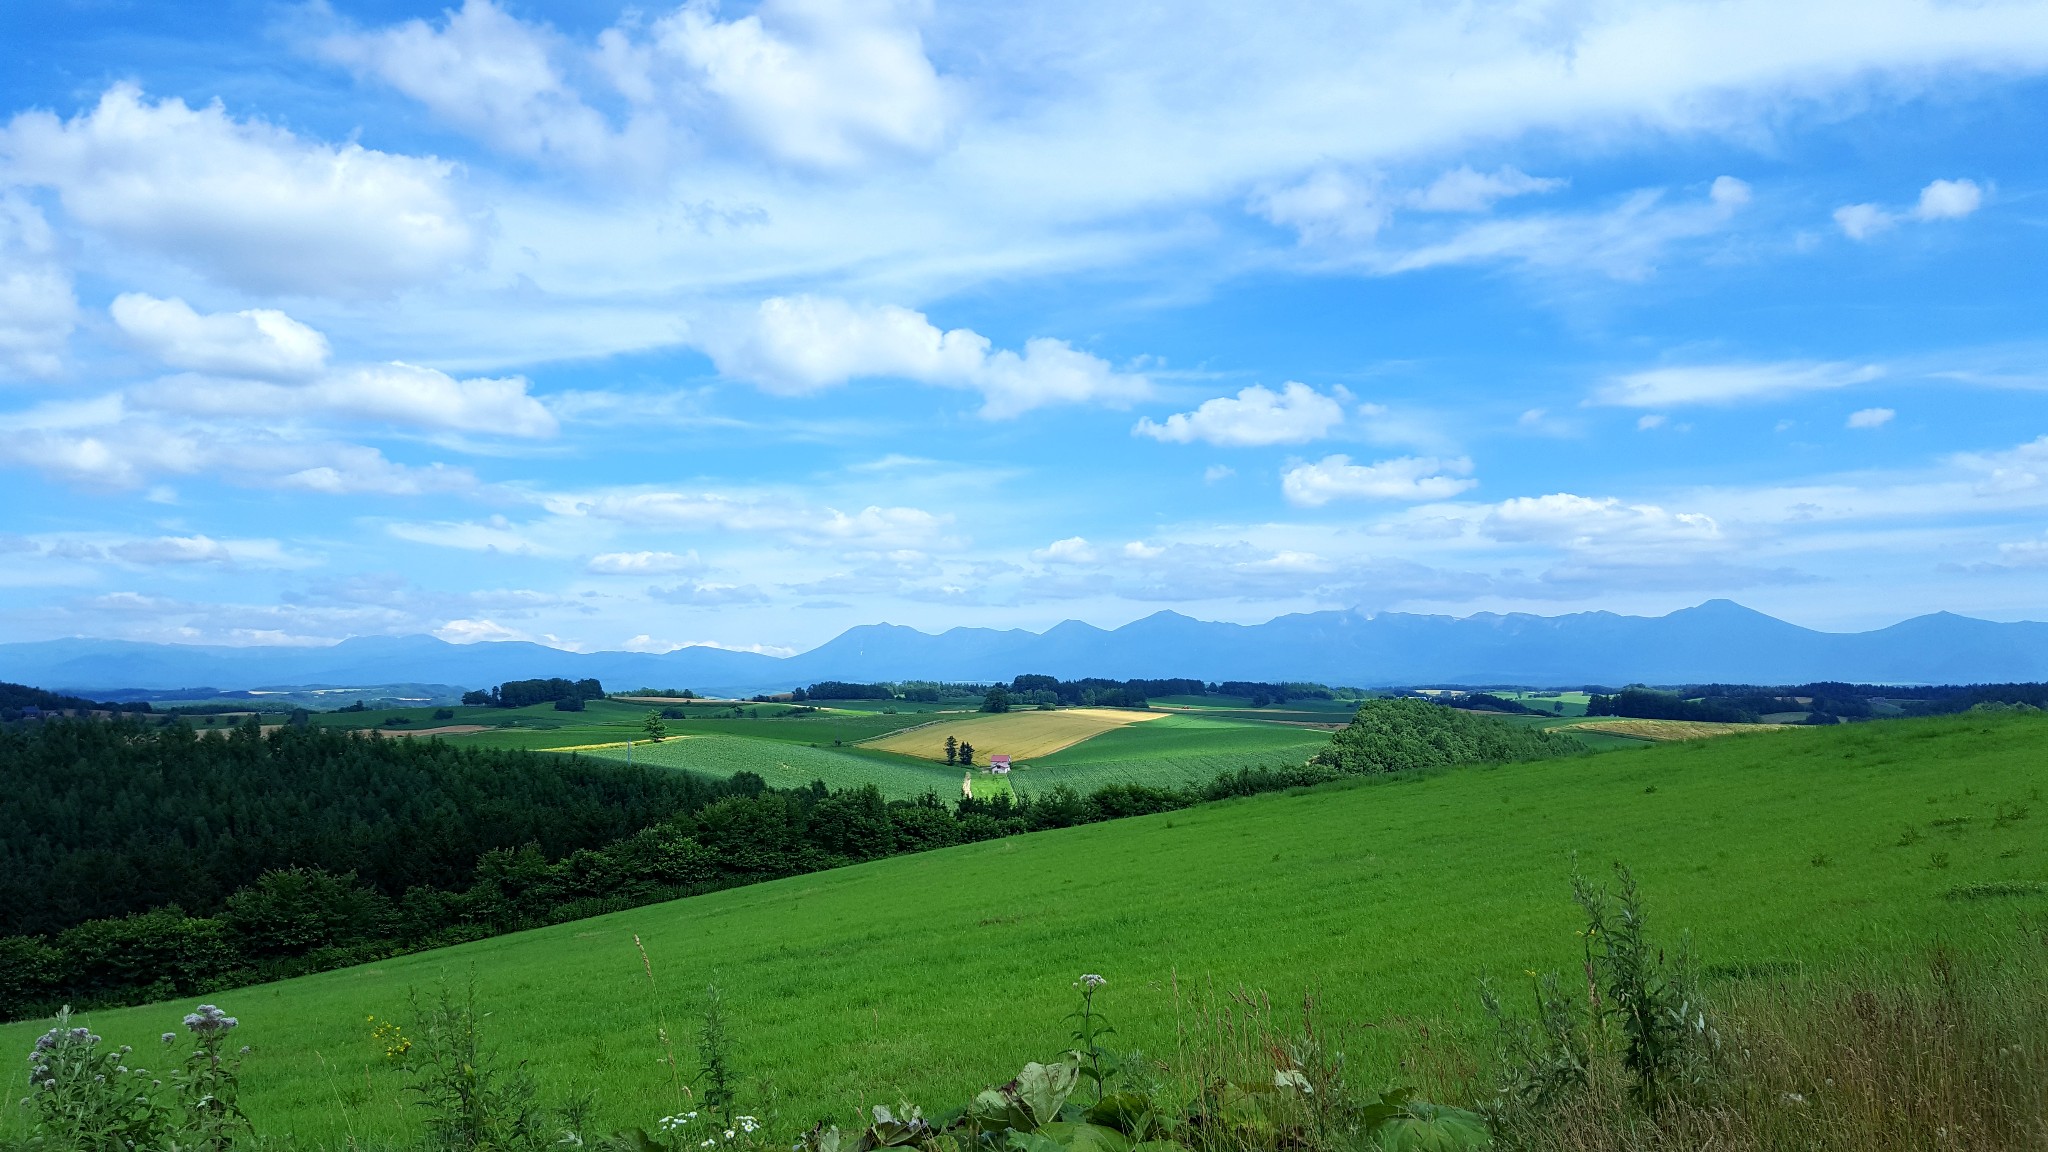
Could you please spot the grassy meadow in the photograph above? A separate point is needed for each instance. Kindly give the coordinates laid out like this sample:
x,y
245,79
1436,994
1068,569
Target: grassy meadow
x,y
929,976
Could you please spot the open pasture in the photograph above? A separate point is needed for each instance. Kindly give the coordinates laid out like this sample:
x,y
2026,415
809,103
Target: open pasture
x,y
1021,735
786,765
1389,896
1662,730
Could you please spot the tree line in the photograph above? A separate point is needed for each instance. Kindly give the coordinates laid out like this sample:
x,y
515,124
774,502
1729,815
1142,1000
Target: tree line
x,y
526,693
300,850
15,698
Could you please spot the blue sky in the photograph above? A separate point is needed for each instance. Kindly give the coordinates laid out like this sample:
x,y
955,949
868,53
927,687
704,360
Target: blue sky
x,y
742,324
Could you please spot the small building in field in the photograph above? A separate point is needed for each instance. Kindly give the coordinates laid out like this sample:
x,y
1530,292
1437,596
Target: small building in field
x,y
999,764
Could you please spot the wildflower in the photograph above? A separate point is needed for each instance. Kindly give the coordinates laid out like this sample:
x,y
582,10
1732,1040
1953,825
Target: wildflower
x,y
729,1133
748,1123
1794,1098
170,1037
246,1050
1090,981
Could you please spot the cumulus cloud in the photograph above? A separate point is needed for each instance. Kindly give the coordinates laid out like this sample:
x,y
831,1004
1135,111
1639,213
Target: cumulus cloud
x,y
1940,200
486,72
247,203
37,307
1409,478
259,342
641,563
1948,200
798,344
818,82
1580,522
1871,417
1256,416
1729,383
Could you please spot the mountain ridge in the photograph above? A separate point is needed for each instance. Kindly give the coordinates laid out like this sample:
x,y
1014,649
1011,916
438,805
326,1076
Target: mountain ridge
x,y
1718,640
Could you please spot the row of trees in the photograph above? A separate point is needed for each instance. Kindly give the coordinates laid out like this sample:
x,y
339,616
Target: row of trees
x,y
526,693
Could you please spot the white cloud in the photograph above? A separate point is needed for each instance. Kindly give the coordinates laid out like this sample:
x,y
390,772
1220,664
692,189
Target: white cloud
x,y
1871,417
641,563
37,308
1948,200
873,528
477,631
1940,200
260,342
1256,416
803,343
1404,478
1464,190
1328,205
247,203
1583,522
818,82
408,394
1862,221
645,643
104,443
1650,420
487,73
498,535
1624,242
202,549
1730,383
1072,550
395,393
1217,473
710,595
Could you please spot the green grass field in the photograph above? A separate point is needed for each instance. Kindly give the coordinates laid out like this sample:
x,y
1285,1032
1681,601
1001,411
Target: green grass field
x,y
929,976
786,765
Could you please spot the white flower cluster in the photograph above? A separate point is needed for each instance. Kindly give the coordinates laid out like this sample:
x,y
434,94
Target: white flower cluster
x,y
742,1126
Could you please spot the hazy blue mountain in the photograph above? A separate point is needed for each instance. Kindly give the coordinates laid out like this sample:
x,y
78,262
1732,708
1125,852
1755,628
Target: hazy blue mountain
x,y
1719,640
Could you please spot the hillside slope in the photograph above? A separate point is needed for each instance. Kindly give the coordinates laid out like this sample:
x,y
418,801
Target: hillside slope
x,y
931,975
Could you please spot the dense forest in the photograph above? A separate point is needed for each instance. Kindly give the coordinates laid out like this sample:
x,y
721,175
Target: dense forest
x,y
260,855
104,819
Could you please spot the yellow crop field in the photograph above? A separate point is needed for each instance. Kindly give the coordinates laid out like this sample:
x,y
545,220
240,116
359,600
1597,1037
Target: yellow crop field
x,y
1020,735
1669,729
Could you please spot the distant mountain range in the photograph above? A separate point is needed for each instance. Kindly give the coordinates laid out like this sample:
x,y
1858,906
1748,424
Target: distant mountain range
x,y
1717,641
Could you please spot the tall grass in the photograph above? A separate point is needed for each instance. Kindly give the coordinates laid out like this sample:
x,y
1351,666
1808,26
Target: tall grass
x,y
1949,1050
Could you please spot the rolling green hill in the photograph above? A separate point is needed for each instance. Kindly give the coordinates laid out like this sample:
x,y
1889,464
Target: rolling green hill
x,y
931,975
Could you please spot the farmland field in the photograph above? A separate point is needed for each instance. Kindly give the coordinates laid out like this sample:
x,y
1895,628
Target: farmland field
x,y
785,765
1389,895
1022,735
1665,729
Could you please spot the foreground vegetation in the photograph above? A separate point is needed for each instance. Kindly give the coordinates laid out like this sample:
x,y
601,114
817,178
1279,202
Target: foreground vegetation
x,y
1809,859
